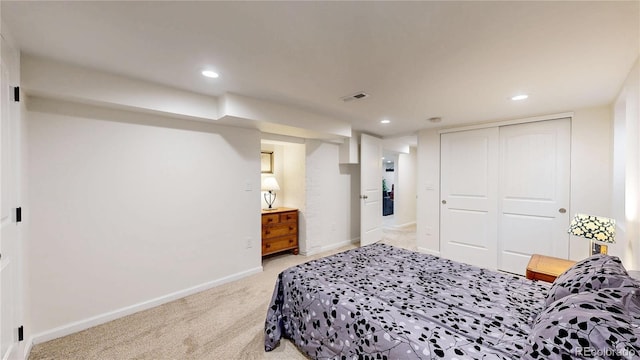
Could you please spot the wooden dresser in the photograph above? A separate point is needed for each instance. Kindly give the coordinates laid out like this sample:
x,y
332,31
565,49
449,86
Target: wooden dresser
x,y
279,230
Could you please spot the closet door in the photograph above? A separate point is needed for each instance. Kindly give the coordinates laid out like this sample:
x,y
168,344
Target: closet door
x,y
534,192
469,187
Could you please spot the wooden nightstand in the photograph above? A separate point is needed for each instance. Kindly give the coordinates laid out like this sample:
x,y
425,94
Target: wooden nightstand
x,y
546,268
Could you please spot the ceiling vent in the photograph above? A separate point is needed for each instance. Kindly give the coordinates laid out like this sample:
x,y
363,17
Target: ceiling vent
x,y
357,96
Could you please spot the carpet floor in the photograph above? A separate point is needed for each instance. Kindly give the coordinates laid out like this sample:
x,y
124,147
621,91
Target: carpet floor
x,y
225,322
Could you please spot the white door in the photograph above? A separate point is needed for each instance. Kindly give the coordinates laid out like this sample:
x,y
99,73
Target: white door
x,y
370,189
534,192
8,228
469,187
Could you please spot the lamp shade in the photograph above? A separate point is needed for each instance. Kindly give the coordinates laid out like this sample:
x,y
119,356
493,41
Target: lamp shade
x,y
269,184
596,228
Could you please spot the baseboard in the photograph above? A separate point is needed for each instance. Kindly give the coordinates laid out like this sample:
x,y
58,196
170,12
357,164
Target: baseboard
x,y
428,251
112,315
321,249
27,347
339,245
405,225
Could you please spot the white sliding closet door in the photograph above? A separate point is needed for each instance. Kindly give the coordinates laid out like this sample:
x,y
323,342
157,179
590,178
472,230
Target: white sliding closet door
x,y
469,186
533,192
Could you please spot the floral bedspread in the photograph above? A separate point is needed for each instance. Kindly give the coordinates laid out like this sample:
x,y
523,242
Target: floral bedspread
x,y
383,302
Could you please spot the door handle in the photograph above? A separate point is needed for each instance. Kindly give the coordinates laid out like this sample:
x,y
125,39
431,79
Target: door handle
x,y
562,210
364,197
444,202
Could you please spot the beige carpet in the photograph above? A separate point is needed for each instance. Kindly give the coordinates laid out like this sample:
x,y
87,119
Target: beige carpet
x,y
225,322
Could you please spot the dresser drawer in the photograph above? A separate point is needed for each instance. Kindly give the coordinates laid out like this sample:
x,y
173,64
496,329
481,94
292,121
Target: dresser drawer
x,y
281,243
270,219
279,230
289,217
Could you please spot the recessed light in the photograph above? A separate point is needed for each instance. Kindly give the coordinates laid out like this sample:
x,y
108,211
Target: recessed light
x,y
519,97
388,161
385,121
210,74
435,119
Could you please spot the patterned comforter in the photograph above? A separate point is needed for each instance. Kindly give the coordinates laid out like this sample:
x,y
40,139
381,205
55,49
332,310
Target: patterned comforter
x,y
382,302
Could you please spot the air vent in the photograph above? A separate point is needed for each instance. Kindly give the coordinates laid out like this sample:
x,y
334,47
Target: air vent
x,y
357,96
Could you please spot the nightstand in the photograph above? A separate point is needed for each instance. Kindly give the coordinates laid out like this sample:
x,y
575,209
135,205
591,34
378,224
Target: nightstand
x,y
546,268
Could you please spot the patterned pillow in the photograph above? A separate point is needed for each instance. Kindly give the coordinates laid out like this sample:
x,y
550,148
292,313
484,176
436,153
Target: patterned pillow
x,y
596,272
600,324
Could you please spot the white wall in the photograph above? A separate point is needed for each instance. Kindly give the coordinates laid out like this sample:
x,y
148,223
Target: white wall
x,y
405,190
626,171
590,177
590,170
428,191
294,167
332,213
131,210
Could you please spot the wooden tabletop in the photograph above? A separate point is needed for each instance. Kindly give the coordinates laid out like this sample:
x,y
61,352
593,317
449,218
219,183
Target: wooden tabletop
x,y
547,268
277,210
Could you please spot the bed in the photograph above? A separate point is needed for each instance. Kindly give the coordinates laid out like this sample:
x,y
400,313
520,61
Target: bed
x,y
384,302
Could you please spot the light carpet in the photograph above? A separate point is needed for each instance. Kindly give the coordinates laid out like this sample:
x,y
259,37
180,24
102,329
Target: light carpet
x,y
225,322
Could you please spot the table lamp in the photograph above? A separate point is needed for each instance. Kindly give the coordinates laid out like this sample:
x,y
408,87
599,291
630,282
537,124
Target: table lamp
x,y
270,184
597,229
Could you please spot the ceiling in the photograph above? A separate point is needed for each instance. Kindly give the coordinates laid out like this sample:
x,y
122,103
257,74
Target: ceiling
x,y
461,61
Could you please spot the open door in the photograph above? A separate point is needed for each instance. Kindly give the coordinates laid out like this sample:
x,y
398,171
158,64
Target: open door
x,y
370,189
9,235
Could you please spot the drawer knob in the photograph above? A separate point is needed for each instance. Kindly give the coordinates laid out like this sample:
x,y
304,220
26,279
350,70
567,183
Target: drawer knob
x,y
290,227
267,232
267,245
290,241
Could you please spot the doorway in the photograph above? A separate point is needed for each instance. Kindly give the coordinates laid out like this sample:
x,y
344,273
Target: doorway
x,y
398,173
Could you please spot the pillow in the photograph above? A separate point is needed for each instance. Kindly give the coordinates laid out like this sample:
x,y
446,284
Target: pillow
x,y
601,324
593,273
